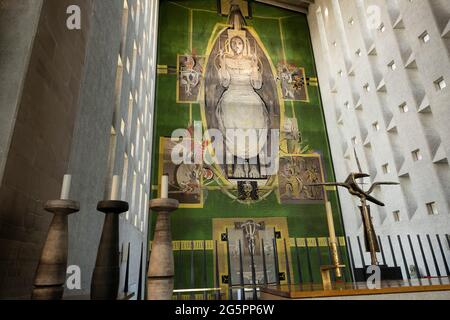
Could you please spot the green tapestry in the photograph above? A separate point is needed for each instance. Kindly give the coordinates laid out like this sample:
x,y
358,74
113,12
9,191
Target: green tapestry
x,y
248,68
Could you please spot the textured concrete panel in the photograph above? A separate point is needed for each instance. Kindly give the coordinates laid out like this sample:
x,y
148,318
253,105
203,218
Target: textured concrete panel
x,y
89,154
363,95
41,140
18,22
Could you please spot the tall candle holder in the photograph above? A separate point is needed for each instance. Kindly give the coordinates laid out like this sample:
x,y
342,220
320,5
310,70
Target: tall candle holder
x,y
50,275
106,276
337,266
161,269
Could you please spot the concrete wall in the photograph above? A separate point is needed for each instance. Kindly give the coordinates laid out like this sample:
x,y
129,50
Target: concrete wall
x,y
41,142
74,116
89,154
106,130
18,22
355,43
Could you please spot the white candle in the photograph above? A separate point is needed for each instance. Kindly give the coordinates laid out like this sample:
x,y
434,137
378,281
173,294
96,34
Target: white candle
x,y
165,187
330,222
115,188
65,190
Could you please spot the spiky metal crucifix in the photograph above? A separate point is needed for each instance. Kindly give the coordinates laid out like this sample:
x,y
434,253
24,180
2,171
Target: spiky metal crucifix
x,y
356,190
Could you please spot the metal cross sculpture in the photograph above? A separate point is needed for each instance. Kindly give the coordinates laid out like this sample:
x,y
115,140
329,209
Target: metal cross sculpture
x,y
352,186
250,228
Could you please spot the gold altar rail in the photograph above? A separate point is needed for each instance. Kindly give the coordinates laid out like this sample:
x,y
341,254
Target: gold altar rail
x,y
197,245
197,294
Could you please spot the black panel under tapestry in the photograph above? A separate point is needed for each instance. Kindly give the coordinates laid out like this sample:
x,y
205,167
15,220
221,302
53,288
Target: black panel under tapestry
x,y
387,273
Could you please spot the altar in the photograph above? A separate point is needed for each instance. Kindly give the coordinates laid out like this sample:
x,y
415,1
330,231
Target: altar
x,y
415,289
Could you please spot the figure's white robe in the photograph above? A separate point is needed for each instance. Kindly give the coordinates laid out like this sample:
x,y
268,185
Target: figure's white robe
x,y
242,108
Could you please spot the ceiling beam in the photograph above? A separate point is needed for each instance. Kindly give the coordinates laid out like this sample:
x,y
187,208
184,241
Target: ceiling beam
x,y
302,7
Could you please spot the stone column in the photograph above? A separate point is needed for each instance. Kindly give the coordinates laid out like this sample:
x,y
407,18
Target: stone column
x,y
51,272
161,269
106,276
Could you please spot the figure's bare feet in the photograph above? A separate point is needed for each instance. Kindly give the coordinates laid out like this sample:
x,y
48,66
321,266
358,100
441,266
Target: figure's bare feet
x,y
239,171
254,172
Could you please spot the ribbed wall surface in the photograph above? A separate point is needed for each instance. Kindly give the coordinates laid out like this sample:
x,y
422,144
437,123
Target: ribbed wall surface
x,y
383,66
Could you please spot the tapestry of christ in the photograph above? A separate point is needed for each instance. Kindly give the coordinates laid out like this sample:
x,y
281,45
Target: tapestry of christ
x,y
241,98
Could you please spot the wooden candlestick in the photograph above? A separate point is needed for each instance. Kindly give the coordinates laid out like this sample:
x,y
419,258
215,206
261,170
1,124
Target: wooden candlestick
x,y
161,269
106,276
51,272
